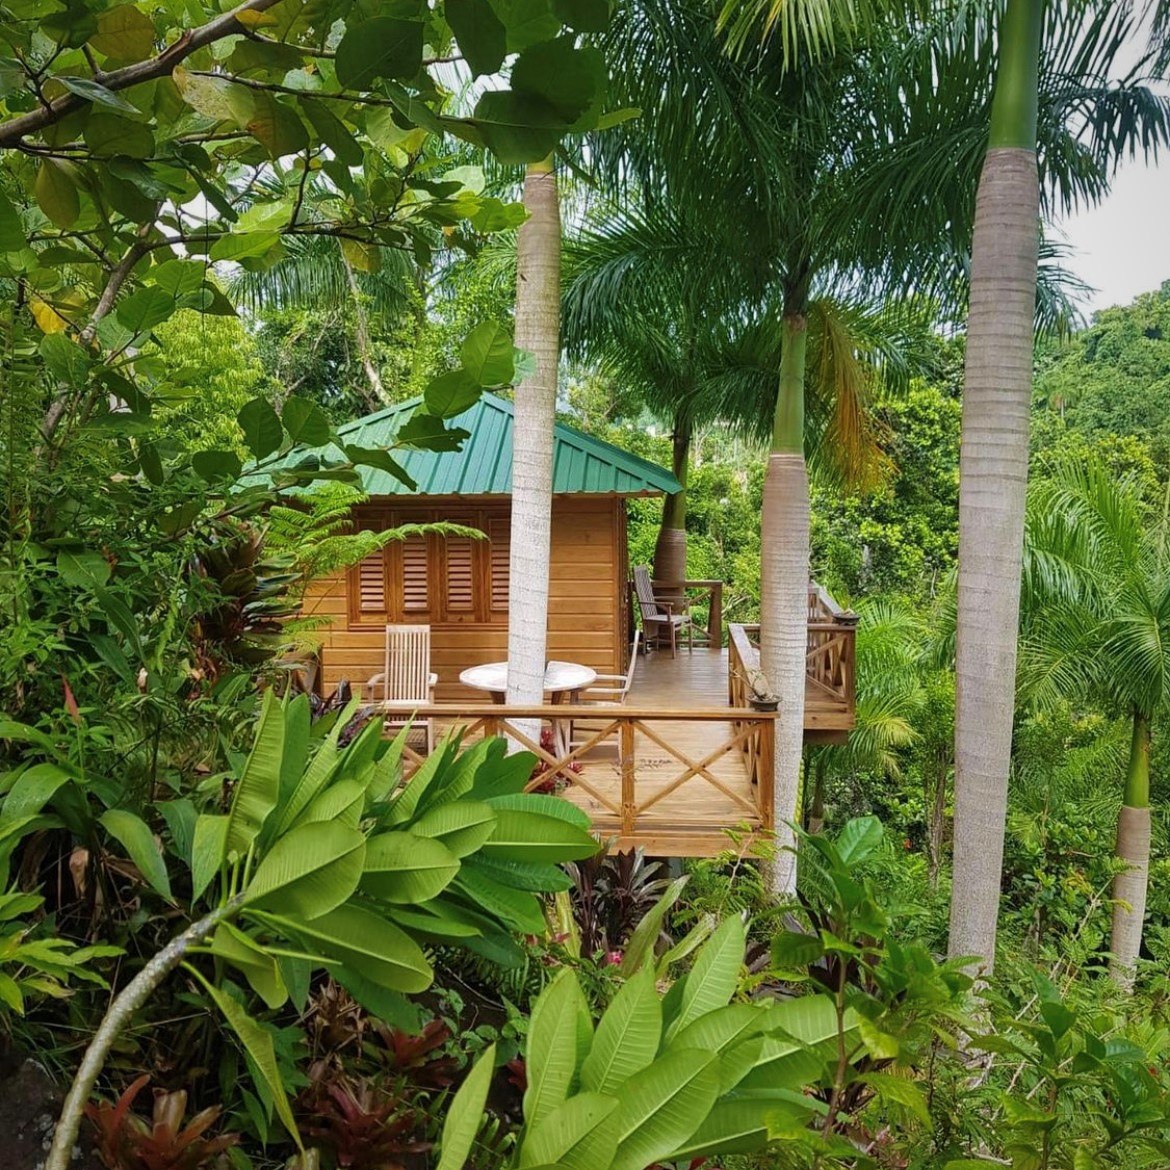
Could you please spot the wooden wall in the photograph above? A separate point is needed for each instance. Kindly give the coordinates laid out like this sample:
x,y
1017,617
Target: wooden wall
x,y
586,603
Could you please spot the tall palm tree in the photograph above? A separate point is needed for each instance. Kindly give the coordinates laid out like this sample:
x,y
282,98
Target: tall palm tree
x,y
538,317
1097,625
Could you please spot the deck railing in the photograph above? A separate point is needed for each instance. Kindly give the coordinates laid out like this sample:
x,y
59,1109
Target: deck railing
x,y
595,749
830,657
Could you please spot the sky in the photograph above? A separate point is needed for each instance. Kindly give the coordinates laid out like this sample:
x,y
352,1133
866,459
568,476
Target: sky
x,y
1122,246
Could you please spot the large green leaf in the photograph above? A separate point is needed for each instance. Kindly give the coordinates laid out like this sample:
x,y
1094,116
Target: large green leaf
x,y
368,944
145,308
580,1134
342,801
322,768
261,427
640,947
259,1046
208,847
715,975
567,77
858,839
451,393
532,836
258,787
462,826
309,871
558,1037
257,965
56,193
663,1105
517,128
12,235
401,867
488,355
382,47
333,133
733,1126
305,422
627,1036
516,908
479,32
133,833
723,1027
33,789
465,1112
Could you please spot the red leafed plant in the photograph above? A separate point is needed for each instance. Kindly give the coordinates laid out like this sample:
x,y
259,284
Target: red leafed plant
x,y
419,1058
551,784
359,1122
127,1141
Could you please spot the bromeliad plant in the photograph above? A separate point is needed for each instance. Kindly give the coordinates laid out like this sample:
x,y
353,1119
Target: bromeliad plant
x,y
325,860
661,1078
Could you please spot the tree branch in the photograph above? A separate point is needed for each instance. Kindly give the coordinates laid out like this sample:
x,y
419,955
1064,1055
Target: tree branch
x,y
12,131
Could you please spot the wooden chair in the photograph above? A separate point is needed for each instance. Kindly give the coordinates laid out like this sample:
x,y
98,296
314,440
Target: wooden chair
x,y
406,681
609,690
658,614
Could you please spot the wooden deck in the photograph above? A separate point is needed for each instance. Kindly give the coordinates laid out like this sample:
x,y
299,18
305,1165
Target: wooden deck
x,y
677,770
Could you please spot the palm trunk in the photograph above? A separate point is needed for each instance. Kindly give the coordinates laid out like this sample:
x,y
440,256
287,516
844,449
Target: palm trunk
x,y
538,305
670,552
1133,847
784,589
993,473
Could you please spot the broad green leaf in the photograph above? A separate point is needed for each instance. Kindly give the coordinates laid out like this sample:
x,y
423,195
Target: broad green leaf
x,y
258,1044
640,947
258,787
84,568
67,362
34,788
332,132
342,802
858,839
108,134
366,943
733,1126
321,771
145,308
244,246
255,963
532,836
627,1036
452,393
567,78
261,427
791,949
465,1112
479,32
124,33
381,47
12,234
723,1027
391,1006
462,826
274,124
558,1038
715,975
517,128
527,22
309,871
305,422
401,867
580,1134
663,1105
133,833
487,354
535,877
179,277
515,908
213,465
901,1091
584,16
208,848
93,91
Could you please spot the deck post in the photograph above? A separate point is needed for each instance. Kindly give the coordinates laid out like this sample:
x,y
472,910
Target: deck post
x,y
766,775
629,802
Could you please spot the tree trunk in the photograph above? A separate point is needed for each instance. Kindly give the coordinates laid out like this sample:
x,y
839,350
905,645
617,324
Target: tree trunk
x,y
670,552
784,590
816,812
1133,847
376,398
993,473
538,318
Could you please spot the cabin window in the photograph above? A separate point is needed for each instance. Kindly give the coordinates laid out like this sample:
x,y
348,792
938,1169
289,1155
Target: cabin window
x,y
441,580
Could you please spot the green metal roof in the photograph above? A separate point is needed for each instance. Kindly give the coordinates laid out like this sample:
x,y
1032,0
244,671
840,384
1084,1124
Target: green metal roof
x,y
581,464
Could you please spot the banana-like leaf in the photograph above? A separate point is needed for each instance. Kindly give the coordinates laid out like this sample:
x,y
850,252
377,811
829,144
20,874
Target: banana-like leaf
x,y
297,725
342,802
715,975
258,788
454,782
434,922
733,1126
208,846
387,773
366,943
536,877
517,909
641,944
463,825
465,1113
253,961
406,807
627,1036
534,836
539,802
322,768
580,1134
558,1038
403,868
309,871
725,1026
663,1105
258,1045
502,775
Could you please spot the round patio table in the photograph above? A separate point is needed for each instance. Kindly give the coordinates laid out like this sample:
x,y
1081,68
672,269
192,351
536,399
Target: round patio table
x,y
561,679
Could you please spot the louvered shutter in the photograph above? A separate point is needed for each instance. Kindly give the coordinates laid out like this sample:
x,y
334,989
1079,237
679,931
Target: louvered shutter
x,y
459,556
369,581
416,594
499,529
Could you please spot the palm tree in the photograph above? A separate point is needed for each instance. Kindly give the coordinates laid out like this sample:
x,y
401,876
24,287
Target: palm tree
x,y
538,314
1097,625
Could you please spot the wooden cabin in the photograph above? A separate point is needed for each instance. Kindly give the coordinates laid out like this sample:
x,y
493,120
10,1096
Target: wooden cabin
x,y
459,585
